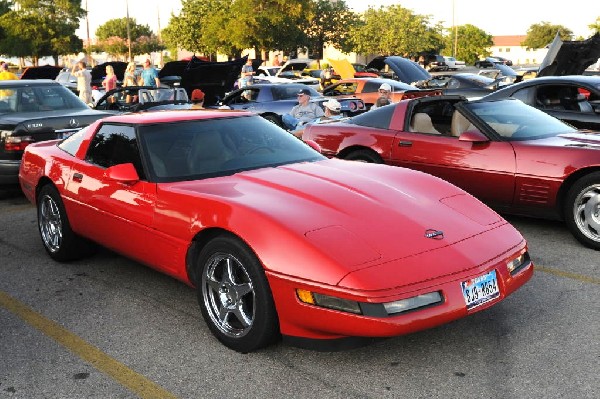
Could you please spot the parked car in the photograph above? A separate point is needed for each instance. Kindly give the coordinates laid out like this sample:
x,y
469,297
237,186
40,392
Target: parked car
x,y
470,85
503,60
67,79
398,68
433,62
511,156
454,64
276,239
41,72
270,75
573,99
487,62
367,89
142,98
272,101
36,110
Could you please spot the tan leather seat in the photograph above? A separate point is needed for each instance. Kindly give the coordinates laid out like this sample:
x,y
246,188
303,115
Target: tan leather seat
x,y
460,124
421,122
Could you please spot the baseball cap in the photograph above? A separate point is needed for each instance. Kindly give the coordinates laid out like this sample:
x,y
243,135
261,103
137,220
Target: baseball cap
x,y
304,91
385,86
197,95
333,105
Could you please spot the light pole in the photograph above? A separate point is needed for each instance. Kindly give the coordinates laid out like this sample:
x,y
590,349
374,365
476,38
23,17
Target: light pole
x,y
455,28
128,30
87,22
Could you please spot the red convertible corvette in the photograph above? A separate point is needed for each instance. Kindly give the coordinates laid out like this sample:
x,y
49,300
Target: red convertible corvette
x,y
276,238
511,156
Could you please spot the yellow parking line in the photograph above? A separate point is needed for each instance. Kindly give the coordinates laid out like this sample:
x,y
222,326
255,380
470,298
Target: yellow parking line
x,y
131,380
574,276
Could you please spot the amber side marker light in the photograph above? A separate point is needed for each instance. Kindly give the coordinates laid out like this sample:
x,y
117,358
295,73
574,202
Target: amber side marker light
x,y
329,302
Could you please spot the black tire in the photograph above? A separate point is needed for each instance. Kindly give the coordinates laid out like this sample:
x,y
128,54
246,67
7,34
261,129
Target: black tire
x,y
364,156
582,210
238,305
61,243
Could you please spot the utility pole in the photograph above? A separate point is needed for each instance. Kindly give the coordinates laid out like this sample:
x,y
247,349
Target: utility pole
x,y
89,48
128,30
455,28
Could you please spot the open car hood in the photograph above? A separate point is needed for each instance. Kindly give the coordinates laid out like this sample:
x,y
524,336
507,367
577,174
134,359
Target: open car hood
x,y
570,57
99,71
343,68
406,70
41,72
213,78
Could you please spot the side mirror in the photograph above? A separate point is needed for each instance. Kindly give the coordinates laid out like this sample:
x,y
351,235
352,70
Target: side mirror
x,y
122,173
473,136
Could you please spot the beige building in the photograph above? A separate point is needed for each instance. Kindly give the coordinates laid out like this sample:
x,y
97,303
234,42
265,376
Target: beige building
x,y
510,47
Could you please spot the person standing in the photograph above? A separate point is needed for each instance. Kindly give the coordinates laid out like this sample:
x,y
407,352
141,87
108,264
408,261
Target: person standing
x,y
149,75
129,79
385,92
276,61
247,73
5,74
110,82
84,81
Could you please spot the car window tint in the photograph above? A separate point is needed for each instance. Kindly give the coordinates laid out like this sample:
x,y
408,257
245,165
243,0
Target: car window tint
x,y
115,145
378,118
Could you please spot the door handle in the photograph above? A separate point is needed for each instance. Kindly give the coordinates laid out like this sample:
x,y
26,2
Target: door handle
x,y
78,177
405,143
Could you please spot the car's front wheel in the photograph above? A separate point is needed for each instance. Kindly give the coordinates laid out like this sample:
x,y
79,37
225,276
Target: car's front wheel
x,y
61,243
582,210
234,295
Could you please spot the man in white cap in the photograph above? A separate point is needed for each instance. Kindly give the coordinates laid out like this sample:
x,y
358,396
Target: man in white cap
x,y
333,111
385,91
302,113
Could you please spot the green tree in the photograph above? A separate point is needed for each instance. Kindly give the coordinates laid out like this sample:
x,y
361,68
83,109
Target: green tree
x,y
112,37
595,27
395,30
542,34
472,43
330,24
40,28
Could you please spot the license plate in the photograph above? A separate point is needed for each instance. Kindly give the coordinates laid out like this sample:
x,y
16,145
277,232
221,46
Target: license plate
x,y
480,290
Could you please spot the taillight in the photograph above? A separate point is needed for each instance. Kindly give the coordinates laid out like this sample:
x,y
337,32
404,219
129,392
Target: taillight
x,y
17,143
352,106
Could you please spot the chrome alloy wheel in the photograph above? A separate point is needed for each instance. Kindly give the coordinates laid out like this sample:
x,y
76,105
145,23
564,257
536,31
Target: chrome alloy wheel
x,y
586,210
228,295
50,224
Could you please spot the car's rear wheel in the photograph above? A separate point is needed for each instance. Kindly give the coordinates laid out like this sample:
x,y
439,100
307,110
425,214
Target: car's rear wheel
x,y
234,296
61,243
364,156
582,210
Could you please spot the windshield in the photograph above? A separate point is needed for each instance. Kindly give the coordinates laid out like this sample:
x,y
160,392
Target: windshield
x,y
38,98
514,121
197,149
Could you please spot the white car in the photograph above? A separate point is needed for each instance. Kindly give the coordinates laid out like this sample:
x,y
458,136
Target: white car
x,y
270,74
454,64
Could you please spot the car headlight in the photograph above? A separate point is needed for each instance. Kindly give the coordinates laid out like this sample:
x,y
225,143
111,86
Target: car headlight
x,y
517,263
415,302
329,302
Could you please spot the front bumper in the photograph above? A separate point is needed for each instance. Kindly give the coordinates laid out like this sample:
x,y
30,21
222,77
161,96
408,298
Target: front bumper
x,y
9,171
303,321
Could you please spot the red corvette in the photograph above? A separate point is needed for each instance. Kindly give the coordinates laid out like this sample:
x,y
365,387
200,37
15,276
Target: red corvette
x,y
276,238
511,156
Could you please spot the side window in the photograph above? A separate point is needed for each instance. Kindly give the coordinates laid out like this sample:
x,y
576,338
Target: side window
x,y
525,95
114,145
371,87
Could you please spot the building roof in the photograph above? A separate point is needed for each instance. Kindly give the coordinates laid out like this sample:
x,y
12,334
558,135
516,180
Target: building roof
x,y
515,40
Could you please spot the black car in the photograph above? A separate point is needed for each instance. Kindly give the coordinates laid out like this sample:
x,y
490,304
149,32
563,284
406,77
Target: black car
x,y
503,60
469,85
487,62
36,110
573,99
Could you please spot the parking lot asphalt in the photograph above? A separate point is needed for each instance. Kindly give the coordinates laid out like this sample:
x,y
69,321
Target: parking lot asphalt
x,y
108,327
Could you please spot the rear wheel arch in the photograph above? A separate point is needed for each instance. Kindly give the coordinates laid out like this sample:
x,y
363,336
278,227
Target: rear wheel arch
x,y
361,151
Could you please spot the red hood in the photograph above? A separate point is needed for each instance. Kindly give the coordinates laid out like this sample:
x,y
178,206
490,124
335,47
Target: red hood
x,y
354,215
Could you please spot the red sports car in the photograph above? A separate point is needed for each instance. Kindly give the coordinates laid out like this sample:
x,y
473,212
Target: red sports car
x,y
276,238
512,156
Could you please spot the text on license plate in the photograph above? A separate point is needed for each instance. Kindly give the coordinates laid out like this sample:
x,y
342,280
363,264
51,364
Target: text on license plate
x,y
481,289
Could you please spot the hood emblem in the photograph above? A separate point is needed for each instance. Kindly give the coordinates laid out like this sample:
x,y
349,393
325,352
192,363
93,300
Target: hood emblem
x,y
435,234
73,122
